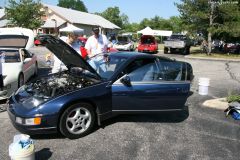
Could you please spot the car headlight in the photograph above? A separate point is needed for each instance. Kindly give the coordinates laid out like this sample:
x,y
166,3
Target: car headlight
x,y
29,121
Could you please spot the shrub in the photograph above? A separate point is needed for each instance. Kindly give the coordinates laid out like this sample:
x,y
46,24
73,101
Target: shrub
x,y
233,98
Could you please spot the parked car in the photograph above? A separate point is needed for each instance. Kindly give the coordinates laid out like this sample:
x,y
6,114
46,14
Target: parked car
x,y
124,43
232,48
177,42
18,63
148,44
73,101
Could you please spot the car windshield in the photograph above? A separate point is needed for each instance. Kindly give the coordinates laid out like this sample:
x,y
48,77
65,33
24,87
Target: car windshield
x,y
147,40
10,56
13,41
122,39
182,37
106,65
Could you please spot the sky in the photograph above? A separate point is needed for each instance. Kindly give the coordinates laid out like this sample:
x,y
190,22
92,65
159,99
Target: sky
x,y
136,10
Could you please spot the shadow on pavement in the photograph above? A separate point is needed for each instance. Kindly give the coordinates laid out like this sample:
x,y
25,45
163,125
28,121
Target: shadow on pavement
x,y
48,136
44,153
164,117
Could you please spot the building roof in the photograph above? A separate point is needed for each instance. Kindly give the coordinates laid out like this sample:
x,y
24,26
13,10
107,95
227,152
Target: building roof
x,y
50,23
2,13
78,17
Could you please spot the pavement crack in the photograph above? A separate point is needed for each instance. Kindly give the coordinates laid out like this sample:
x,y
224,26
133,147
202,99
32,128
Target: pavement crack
x,y
232,75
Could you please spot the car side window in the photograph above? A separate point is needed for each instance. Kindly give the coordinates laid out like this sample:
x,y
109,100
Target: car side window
x,y
172,70
142,70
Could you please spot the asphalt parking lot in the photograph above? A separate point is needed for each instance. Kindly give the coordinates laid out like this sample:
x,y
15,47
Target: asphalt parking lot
x,y
196,133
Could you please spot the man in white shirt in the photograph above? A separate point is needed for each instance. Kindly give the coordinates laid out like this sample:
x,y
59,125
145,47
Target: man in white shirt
x,y
97,43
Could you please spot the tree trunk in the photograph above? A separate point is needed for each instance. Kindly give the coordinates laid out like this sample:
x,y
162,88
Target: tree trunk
x,y
209,43
210,25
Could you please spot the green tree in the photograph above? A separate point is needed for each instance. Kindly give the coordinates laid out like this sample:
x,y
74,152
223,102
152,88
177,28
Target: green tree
x,y
73,4
176,24
25,13
157,23
113,15
210,17
131,27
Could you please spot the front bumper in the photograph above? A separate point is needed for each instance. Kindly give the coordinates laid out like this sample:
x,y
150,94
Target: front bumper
x,y
123,48
48,123
147,51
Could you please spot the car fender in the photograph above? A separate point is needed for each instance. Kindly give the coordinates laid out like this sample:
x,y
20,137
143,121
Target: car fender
x,y
97,95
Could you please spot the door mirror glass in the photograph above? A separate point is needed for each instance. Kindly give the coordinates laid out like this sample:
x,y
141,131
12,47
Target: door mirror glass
x,y
126,81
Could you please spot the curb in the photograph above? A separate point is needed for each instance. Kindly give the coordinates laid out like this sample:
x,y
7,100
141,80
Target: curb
x,y
219,103
212,59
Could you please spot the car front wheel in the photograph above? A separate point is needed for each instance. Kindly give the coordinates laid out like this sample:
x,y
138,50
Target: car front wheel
x,y
77,121
20,80
36,70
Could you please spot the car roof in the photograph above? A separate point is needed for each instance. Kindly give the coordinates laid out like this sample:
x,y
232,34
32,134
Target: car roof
x,y
130,55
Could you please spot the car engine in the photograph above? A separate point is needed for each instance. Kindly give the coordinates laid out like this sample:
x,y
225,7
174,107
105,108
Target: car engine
x,y
58,84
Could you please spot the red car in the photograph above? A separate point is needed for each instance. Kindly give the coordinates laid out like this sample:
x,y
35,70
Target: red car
x,y
148,44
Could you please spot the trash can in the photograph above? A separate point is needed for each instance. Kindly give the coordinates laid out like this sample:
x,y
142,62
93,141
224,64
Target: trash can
x,y
203,86
22,148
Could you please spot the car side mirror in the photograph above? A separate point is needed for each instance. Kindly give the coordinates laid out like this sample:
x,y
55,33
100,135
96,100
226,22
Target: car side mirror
x,y
126,81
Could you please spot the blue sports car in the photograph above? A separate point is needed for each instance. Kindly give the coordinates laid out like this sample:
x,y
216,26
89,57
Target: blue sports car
x,y
73,101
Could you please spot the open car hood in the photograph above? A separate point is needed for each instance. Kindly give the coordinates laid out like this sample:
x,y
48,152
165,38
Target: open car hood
x,y
16,38
66,53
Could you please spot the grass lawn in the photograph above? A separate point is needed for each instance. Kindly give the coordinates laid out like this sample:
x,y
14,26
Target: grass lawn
x,y
197,52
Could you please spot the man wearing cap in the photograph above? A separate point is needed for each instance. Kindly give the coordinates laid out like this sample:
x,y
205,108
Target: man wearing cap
x,y
97,43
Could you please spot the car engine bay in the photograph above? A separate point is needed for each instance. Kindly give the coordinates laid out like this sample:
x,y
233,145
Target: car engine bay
x,y
58,84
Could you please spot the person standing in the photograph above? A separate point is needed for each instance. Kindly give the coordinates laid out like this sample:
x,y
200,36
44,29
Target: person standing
x,y
97,43
71,40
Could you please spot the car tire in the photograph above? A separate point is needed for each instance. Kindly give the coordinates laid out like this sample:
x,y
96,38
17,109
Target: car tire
x,y
35,70
186,50
77,120
165,51
20,80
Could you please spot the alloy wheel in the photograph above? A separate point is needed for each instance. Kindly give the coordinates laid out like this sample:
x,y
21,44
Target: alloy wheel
x,y
78,120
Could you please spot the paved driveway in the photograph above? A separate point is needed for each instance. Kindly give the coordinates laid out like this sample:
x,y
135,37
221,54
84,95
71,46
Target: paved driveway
x,y
196,133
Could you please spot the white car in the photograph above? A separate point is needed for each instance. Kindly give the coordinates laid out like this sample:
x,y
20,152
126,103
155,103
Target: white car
x,y
18,64
124,43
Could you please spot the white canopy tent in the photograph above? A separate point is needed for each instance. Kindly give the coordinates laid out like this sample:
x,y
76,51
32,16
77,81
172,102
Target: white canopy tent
x,y
72,29
149,31
146,31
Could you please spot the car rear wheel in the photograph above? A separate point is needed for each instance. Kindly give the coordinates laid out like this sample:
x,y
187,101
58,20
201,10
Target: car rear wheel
x,y
20,80
77,121
165,51
36,70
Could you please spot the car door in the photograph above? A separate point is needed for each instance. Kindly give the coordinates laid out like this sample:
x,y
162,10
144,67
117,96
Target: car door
x,y
145,87
28,64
